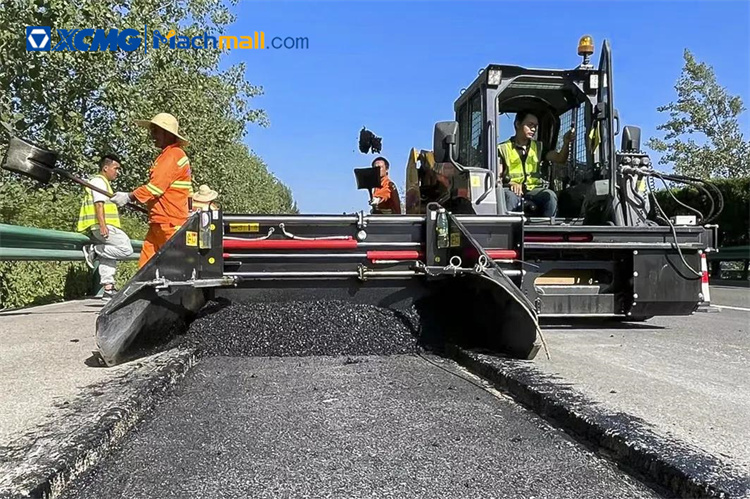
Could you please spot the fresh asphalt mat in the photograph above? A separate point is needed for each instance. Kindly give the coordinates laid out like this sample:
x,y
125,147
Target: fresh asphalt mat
x,y
406,425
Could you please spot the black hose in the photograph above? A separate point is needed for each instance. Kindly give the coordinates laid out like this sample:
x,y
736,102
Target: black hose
x,y
701,218
716,200
674,232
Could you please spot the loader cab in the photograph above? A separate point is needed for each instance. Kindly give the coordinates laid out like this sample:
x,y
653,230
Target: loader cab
x,y
586,185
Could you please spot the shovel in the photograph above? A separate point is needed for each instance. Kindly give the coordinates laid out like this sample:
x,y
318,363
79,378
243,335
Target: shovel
x,y
34,161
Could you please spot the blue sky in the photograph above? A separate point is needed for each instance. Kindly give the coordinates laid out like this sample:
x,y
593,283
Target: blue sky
x,y
396,67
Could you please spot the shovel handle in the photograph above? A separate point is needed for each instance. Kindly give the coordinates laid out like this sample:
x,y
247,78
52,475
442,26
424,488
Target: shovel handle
x,y
94,188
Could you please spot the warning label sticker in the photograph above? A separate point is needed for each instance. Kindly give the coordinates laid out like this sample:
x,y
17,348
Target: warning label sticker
x,y
249,227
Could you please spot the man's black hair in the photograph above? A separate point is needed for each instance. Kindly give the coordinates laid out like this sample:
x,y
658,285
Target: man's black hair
x,y
108,158
381,158
521,115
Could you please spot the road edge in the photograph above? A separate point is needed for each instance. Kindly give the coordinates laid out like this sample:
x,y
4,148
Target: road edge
x,y
676,466
49,476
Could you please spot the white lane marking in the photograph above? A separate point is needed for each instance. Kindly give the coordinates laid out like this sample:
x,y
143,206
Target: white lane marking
x,y
732,308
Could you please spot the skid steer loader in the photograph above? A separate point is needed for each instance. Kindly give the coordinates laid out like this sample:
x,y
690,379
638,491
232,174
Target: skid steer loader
x,y
457,255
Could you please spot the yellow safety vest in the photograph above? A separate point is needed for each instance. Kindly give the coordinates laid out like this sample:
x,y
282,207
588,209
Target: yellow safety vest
x,y
519,174
87,214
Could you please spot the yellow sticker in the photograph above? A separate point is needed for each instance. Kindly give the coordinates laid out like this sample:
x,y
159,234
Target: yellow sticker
x,y
211,260
475,181
192,238
252,227
213,227
455,239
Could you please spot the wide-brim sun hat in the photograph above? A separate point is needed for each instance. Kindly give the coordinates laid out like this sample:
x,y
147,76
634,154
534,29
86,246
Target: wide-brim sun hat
x,y
165,121
205,194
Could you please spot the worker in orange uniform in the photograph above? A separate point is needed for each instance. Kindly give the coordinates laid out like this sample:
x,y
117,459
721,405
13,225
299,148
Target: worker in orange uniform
x,y
169,186
385,198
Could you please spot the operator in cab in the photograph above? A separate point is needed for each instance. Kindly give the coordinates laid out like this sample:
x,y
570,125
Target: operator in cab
x,y
385,198
519,159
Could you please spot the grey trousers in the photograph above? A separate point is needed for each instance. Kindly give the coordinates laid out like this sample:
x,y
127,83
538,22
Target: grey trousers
x,y
116,247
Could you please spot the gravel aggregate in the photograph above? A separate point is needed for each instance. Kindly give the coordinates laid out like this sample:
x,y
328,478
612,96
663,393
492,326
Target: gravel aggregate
x,y
301,329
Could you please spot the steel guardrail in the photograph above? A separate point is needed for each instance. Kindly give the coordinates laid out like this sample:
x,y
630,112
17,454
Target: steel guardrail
x,y
21,243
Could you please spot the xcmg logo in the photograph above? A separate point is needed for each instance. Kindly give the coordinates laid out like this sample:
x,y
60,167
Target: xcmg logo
x,y
39,39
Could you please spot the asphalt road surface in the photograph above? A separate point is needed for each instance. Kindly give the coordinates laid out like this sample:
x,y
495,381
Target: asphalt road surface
x,y
395,426
686,376
730,296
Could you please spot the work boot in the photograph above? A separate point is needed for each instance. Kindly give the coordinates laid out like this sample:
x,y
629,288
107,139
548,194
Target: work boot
x,y
108,294
89,255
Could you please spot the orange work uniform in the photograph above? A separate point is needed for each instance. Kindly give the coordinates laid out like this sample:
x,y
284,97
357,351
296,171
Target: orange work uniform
x,y
389,200
166,196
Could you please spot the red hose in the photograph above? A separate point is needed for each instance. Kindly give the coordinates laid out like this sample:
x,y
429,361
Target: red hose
x,y
495,254
395,255
289,244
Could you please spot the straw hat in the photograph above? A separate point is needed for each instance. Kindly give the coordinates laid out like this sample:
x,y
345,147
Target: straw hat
x,y
164,121
205,194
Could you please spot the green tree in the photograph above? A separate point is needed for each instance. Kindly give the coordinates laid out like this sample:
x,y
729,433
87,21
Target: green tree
x,y
703,137
82,103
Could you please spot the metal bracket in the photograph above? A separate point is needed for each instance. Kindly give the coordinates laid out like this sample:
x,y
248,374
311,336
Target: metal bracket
x,y
361,220
453,268
162,283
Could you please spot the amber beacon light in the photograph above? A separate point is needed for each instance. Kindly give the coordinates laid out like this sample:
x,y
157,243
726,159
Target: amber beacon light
x,y
585,45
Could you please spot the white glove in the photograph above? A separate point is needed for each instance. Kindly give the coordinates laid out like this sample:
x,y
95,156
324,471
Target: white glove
x,y
121,198
375,201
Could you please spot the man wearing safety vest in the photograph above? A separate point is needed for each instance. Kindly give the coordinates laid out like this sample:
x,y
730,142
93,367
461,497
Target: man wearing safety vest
x,y
169,187
519,159
99,219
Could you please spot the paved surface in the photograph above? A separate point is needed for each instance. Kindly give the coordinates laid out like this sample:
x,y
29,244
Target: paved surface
x,y
42,361
56,412
329,427
686,376
732,296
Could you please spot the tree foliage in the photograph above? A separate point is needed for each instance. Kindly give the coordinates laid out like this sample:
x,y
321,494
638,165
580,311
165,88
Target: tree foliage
x,y
84,103
702,136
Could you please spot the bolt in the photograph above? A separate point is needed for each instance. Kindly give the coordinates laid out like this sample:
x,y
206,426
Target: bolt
x,y
635,274
635,296
635,303
635,252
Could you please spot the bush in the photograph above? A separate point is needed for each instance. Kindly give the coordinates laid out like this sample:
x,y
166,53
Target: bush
x,y
734,220
38,283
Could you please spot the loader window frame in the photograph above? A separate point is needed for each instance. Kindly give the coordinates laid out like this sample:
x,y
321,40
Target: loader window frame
x,y
470,137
